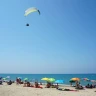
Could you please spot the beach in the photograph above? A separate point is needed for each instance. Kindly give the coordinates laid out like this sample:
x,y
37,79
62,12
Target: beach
x,y
38,77
19,90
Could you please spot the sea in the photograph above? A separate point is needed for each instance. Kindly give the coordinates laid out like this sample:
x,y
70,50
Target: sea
x,y
65,77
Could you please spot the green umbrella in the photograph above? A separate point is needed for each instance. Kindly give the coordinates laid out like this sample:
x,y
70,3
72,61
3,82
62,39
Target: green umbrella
x,y
51,80
4,78
72,81
25,79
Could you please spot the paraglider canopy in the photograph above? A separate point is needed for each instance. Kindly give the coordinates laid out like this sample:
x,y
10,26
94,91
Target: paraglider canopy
x,y
31,10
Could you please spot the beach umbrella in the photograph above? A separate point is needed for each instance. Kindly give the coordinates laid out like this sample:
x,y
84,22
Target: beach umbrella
x,y
93,81
45,79
59,81
26,79
51,80
75,79
4,78
8,77
0,77
85,79
72,81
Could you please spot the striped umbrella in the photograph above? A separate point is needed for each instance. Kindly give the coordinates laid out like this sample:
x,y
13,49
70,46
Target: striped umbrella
x,y
86,79
75,79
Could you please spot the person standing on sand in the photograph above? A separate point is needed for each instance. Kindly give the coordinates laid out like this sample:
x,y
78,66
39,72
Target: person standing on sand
x,y
77,84
71,84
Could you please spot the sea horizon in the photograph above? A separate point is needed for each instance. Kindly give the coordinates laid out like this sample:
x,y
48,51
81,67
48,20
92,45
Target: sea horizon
x,y
48,73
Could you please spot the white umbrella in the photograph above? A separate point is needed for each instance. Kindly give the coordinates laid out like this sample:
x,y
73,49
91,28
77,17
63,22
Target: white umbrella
x,y
8,77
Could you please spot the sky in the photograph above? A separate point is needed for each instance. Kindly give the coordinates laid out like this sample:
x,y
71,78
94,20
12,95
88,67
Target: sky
x,y
60,40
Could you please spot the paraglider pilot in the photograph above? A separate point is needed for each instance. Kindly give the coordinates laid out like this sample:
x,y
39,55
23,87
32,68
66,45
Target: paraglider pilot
x,y
27,24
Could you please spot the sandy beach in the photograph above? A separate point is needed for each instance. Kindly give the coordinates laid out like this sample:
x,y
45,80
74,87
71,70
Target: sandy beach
x,y
19,90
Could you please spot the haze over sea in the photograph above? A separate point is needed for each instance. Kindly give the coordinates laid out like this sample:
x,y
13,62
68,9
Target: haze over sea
x,y
65,77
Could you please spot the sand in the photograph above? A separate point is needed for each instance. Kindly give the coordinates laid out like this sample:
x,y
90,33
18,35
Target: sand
x,y
19,90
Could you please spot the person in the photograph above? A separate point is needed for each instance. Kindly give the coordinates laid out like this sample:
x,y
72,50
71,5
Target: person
x,y
62,89
9,83
0,82
88,85
91,86
17,81
94,86
37,85
71,84
56,86
27,24
48,85
29,85
79,86
40,83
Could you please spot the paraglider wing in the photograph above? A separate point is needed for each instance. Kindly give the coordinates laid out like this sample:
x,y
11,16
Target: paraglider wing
x,y
30,10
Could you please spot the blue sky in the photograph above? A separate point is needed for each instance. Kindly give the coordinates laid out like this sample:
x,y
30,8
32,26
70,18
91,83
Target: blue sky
x,y
61,40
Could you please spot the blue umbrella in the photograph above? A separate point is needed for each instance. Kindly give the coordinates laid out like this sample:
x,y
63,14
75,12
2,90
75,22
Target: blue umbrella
x,y
8,77
59,81
0,77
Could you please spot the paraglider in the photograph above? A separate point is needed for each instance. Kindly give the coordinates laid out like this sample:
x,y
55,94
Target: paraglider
x,y
29,11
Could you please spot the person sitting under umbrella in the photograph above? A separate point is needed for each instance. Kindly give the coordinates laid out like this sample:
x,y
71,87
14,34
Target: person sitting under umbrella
x,y
37,85
9,83
90,86
48,85
79,86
